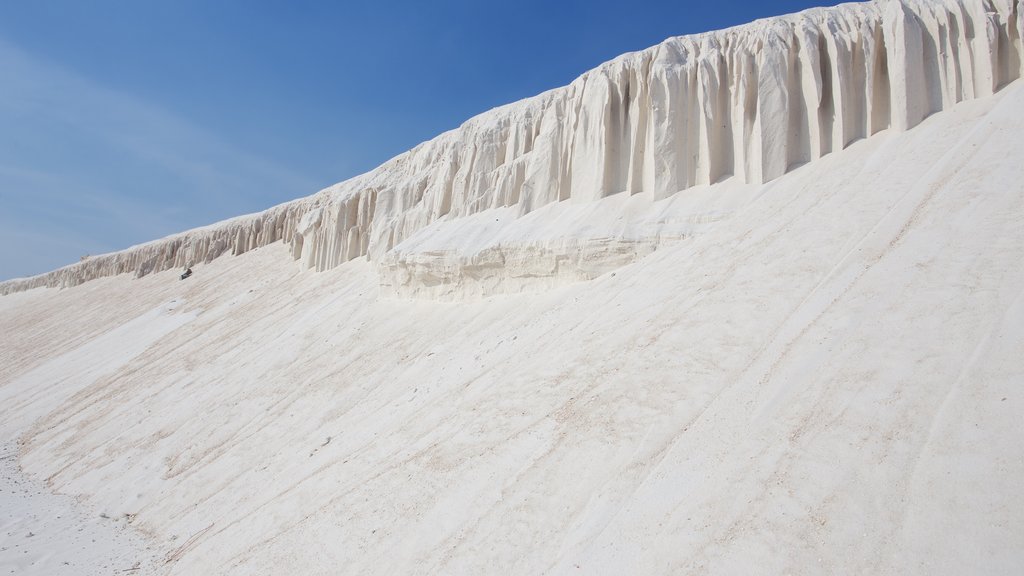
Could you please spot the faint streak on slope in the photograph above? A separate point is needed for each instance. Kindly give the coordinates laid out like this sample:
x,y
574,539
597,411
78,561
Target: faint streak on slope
x,y
36,393
874,246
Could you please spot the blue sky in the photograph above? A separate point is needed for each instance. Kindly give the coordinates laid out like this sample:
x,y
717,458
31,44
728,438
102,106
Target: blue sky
x,y
124,121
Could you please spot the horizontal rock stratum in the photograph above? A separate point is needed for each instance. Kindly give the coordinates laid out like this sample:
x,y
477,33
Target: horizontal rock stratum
x,y
747,104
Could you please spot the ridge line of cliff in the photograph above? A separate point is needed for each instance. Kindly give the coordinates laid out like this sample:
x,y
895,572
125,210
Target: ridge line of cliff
x,y
750,102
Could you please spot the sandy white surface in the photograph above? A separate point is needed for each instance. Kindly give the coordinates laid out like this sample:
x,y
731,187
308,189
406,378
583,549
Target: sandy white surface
x,y
829,380
745,302
45,534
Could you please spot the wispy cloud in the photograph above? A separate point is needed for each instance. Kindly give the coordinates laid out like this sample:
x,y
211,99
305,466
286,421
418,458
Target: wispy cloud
x,y
93,168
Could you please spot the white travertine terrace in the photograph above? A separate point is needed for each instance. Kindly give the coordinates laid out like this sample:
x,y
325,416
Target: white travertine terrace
x,y
748,103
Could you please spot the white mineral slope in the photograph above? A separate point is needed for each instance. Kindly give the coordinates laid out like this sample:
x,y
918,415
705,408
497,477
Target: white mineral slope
x,y
747,103
42,534
827,381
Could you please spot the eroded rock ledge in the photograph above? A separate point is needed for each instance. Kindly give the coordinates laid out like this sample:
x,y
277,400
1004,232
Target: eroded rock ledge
x,y
746,104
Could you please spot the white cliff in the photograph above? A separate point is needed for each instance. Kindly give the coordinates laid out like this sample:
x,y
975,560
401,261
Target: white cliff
x,y
817,373
748,104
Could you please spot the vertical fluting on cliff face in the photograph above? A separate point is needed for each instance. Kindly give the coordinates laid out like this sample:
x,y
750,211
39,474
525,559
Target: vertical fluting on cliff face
x,y
748,103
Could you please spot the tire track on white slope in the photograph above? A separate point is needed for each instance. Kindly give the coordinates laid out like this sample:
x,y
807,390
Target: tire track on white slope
x,y
999,324
871,249
875,245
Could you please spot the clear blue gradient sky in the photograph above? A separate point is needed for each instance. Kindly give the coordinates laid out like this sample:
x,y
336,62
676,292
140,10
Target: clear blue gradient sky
x,y
125,121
